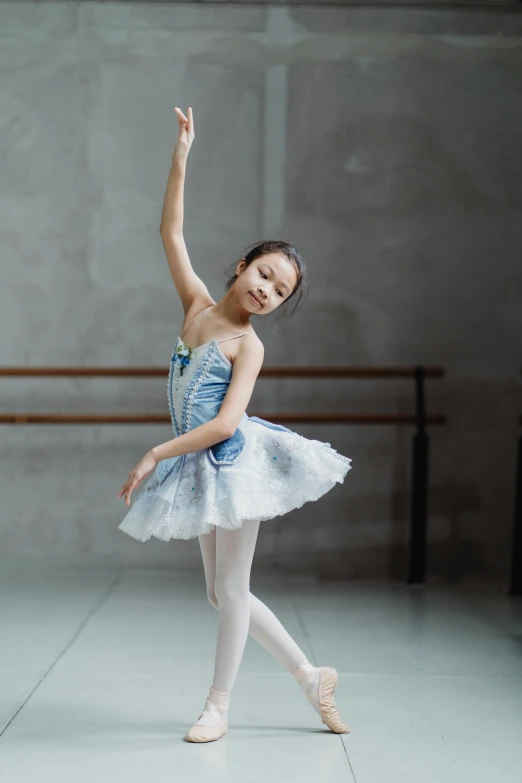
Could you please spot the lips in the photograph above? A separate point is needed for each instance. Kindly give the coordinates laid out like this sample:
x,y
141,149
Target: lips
x,y
256,299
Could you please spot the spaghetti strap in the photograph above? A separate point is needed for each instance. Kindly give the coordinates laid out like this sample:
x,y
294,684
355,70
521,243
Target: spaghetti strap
x,y
217,341
187,326
231,338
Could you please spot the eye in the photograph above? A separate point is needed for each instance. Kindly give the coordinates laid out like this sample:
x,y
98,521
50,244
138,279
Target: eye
x,y
262,274
280,293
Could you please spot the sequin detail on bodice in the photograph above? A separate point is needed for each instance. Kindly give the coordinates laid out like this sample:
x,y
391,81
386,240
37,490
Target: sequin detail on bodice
x,y
196,396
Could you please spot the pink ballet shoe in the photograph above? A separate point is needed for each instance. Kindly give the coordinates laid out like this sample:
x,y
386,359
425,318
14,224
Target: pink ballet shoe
x,y
328,710
215,724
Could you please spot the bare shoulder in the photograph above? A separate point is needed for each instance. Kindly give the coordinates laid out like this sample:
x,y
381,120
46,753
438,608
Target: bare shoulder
x,y
250,350
253,341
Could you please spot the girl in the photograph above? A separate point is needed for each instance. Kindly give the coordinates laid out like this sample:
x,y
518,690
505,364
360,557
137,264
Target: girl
x,y
224,471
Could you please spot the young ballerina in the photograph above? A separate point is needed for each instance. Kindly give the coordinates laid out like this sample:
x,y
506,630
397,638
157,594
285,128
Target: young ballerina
x,y
225,472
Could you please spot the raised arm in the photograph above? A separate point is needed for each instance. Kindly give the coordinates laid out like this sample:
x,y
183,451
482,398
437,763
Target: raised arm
x,y
189,286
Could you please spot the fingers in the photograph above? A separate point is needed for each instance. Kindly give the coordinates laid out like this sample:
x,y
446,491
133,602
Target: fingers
x,y
130,487
127,489
188,120
181,113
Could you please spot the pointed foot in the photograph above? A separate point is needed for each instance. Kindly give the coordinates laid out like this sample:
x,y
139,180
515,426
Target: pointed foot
x,y
329,712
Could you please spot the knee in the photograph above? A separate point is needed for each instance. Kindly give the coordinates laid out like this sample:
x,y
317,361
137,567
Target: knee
x,y
229,591
212,597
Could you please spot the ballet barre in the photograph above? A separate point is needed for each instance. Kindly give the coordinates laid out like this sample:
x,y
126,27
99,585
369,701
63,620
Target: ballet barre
x,y
515,584
418,418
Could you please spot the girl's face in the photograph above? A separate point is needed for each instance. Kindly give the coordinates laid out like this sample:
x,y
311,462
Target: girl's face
x,y
265,283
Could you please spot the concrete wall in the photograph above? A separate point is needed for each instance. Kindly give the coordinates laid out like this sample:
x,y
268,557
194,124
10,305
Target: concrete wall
x,y
386,144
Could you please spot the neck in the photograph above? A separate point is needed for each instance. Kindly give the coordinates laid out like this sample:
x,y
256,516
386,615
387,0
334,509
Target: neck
x,y
229,309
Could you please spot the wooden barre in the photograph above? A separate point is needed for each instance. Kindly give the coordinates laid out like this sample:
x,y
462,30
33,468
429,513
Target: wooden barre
x,y
160,418
273,372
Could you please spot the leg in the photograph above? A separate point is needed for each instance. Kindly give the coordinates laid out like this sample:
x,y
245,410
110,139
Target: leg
x,y
234,554
264,626
227,560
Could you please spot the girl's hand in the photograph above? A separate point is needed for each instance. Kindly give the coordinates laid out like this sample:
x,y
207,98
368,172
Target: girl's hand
x,y
186,134
144,468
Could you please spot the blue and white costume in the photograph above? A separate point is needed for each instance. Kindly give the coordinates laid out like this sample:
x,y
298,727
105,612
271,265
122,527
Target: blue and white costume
x,y
262,471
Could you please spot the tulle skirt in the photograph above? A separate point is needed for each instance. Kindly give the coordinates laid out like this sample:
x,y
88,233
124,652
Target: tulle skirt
x,y
278,470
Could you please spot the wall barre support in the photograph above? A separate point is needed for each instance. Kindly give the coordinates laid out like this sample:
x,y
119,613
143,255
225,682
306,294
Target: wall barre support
x,y
515,586
419,487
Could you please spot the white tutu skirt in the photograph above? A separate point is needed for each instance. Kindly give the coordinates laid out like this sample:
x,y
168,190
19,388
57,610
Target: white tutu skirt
x,y
277,471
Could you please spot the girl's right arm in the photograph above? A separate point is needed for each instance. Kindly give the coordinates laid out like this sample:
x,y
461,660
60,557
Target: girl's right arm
x,y
189,286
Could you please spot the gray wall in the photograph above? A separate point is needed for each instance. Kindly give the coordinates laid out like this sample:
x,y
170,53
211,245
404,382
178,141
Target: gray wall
x,y
386,144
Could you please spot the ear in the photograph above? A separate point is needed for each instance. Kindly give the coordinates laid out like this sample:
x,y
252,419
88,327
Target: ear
x,y
241,266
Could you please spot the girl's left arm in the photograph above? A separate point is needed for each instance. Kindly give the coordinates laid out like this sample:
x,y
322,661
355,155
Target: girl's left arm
x,y
247,365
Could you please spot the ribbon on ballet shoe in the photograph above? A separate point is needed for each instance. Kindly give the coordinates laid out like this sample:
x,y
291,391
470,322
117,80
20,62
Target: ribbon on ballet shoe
x,y
212,723
305,670
210,727
328,710
308,678
219,698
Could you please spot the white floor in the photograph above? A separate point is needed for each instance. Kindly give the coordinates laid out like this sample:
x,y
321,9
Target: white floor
x,y
103,671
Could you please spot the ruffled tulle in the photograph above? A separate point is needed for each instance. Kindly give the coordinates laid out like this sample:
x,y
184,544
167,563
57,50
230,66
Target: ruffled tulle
x,y
276,472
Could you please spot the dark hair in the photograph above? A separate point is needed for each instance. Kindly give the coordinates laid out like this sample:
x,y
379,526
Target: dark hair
x,y
266,247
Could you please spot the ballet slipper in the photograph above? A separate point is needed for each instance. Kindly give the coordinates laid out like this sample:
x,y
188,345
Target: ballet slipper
x,y
214,724
318,684
328,711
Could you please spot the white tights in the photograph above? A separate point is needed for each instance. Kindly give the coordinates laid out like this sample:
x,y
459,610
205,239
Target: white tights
x,y
227,560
